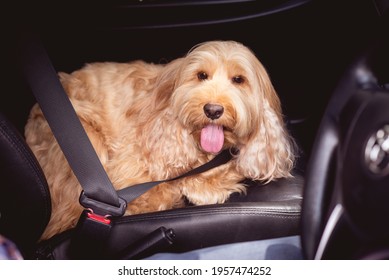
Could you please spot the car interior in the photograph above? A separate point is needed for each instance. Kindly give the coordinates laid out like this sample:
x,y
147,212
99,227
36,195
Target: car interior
x,y
327,60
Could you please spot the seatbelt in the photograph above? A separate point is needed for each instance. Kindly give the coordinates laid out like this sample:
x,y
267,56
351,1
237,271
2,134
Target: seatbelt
x,y
98,192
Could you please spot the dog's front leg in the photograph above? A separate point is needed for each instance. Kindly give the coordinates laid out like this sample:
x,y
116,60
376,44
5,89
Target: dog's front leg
x,y
162,197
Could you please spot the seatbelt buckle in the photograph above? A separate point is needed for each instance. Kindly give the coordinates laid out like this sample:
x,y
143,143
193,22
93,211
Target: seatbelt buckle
x,y
101,208
91,236
94,226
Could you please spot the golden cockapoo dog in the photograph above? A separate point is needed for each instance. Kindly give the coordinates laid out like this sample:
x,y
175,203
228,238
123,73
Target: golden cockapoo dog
x,y
151,122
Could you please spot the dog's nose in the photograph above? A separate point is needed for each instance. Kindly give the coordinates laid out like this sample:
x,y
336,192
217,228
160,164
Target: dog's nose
x,y
213,111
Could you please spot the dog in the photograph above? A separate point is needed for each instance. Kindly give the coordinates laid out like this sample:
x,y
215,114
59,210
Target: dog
x,y
151,122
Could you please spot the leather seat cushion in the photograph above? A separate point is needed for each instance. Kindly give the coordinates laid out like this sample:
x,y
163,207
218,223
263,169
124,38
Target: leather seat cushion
x,y
267,211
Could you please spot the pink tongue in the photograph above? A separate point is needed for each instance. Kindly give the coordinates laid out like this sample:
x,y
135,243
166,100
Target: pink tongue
x,y
212,138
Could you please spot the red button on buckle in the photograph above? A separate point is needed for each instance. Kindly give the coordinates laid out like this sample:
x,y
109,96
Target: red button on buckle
x,y
99,218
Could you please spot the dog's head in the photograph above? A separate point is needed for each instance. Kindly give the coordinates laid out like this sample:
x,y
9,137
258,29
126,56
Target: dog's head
x,y
222,94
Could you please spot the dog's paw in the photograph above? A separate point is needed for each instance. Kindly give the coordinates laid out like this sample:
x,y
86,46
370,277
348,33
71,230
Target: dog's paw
x,y
212,194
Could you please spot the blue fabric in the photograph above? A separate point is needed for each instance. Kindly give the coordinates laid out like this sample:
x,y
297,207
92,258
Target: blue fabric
x,y
285,248
8,250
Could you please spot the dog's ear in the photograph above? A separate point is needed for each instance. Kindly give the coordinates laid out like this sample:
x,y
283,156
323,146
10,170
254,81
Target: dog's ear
x,y
166,82
160,82
270,151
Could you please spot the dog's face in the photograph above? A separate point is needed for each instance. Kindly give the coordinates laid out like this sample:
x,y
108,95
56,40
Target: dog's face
x,y
216,95
223,96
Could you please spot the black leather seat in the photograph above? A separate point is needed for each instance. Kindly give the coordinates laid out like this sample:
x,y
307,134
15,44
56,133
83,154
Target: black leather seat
x,y
267,211
25,206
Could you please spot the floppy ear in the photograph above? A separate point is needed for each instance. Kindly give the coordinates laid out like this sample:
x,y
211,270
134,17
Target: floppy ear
x,y
269,152
166,83
159,83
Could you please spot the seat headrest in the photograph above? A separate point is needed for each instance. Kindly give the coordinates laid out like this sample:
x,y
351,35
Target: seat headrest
x,y
25,205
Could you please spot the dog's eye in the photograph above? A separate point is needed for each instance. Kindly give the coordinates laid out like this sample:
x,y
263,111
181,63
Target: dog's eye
x,y
238,80
202,76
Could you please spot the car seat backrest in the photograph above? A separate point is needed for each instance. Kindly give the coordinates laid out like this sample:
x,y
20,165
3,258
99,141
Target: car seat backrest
x,y
25,205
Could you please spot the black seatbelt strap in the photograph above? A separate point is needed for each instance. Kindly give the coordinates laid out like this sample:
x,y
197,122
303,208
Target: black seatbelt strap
x,y
99,194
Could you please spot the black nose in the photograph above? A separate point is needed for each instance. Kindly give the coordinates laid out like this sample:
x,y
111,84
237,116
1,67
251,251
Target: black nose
x,y
213,111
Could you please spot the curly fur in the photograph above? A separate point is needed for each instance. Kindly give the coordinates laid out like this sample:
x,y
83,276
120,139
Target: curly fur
x,y
145,122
